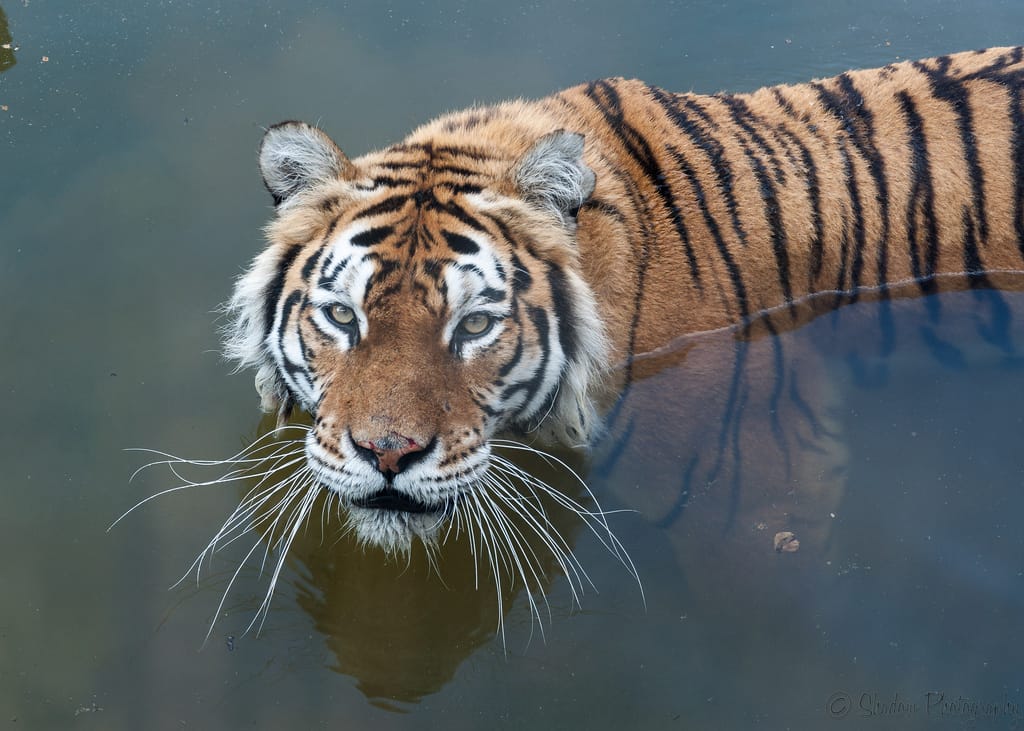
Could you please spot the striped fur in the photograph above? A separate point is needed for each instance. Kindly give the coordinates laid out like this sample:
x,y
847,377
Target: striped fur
x,y
593,226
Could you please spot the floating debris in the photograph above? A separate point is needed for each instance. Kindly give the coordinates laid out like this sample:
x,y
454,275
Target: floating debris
x,y
786,542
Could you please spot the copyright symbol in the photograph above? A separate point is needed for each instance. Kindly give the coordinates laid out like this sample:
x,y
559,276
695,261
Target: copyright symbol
x,y
838,704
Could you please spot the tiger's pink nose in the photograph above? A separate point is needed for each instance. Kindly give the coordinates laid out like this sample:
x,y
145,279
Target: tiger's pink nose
x,y
389,450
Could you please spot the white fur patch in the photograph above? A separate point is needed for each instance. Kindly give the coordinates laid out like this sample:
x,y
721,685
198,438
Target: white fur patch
x,y
244,340
349,271
295,156
465,280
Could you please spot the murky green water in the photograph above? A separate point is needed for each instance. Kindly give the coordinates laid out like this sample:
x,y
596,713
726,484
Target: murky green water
x,y
129,199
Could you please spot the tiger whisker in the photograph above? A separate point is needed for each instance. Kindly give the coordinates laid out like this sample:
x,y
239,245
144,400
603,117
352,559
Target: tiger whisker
x,y
485,545
186,483
299,519
234,459
514,536
246,509
595,521
551,407
285,513
564,556
236,520
563,499
227,590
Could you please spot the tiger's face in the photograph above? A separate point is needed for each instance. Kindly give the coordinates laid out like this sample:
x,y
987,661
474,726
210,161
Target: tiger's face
x,y
416,302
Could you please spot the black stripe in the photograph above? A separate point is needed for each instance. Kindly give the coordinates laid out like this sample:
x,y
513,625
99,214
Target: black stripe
x,y
388,205
844,251
473,153
847,106
783,102
605,208
642,262
711,147
864,141
517,355
307,352
460,244
293,299
921,205
539,318
1017,115
564,312
953,92
399,165
735,275
371,236
972,257
859,234
521,279
276,287
384,269
462,215
311,262
473,268
812,186
492,295
331,272
1012,80
746,120
772,212
504,230
373,299
422,292
484,407
499,269
636,146
390,181
455,170
462,188
434,268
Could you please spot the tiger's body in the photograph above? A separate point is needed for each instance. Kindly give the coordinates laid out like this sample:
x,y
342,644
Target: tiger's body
x,y
504,267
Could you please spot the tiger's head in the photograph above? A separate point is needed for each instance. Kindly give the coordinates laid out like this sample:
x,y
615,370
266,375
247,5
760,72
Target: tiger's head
x,y
416,302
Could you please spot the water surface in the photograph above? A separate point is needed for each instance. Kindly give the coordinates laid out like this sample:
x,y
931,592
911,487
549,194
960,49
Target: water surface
x,y
129,200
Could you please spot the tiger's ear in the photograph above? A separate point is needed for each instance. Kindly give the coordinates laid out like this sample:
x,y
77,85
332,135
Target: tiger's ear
x,y
295,156
553,175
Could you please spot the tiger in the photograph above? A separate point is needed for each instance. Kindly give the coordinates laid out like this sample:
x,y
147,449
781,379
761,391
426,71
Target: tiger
x,y
511,268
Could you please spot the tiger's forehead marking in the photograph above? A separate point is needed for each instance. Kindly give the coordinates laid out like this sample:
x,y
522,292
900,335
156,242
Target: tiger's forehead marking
x,y
448,270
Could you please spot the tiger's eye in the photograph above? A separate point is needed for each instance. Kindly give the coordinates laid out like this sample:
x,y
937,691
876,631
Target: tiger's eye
x,y
341,314
476,324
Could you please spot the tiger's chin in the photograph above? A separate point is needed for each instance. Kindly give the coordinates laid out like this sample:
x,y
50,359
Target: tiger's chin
x,y
393,531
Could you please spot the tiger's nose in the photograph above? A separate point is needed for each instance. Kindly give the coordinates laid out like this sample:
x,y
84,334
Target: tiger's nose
x,y
392,452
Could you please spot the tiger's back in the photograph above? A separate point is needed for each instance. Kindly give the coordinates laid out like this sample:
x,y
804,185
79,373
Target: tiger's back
x,y
719,209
